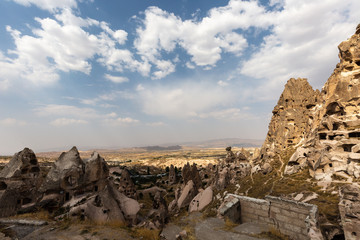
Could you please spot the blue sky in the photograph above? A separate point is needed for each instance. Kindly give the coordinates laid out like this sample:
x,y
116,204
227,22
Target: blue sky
x,y
115,73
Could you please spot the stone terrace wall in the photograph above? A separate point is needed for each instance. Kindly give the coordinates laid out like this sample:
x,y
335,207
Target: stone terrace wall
x,y
295,219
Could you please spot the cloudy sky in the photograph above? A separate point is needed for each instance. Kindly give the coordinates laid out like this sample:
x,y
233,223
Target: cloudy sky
x,y
112,73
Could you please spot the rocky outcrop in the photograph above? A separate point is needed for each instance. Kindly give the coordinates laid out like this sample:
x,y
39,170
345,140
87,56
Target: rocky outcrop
x,y
66,173
331,147
126,185
201,200
187,194
230,156
349,207
159,214
191,173
19,182
172,175
23,164
292,118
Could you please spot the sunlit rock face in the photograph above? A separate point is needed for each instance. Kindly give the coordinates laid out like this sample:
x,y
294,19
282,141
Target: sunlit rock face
x,y
332,146
292,118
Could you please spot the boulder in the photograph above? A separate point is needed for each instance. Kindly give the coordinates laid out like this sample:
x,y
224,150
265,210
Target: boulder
x,y
187,194
201,200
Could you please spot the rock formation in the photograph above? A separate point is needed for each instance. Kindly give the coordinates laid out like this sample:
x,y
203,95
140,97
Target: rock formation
x,y
23,164
159,213
19,182
126,185
349,207
191,173
230,156
332,147
291,118
172,175
201,200
187,194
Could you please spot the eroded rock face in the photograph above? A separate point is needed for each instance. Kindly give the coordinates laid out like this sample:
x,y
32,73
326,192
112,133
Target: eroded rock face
x,y
172,175
71,176
126,185
23,164
187,194
191,173
349,207
66,173
159,213
292,117
332,147
201,200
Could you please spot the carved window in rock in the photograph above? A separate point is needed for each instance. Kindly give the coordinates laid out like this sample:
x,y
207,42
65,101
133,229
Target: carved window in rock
x,y
354,135
334,109
322,136
3,186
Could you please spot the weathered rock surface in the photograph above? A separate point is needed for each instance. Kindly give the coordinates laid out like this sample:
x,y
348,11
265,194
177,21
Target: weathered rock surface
x,y
332,146
201,200
187,194
23,164
126,185
349,207
66,173
291,118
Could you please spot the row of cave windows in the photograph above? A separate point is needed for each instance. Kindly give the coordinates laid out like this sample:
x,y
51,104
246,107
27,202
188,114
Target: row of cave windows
x,y
322,136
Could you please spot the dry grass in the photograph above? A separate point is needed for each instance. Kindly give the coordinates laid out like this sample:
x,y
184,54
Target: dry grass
x,y
229,225
274,234
145,233
42,215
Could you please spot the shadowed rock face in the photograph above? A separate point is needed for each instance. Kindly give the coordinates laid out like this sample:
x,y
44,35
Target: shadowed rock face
x,y
95,168
66,173
126,185
349,207
23,164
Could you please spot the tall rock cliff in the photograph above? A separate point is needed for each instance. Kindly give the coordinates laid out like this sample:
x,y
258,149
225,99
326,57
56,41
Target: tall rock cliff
x,y
292,117
333,145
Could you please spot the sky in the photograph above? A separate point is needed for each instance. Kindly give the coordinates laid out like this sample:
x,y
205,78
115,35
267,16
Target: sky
x,y
101,74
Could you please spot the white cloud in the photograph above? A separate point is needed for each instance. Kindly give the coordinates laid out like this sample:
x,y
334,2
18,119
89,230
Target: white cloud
x,y
227,114
64,43
203,40
12,122
183,100
60,122
116,79
66,110
302,43
222,83
139,87
49,5
112,115
121,121
156,124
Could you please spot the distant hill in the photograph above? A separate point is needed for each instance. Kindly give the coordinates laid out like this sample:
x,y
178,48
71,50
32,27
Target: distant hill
x,y
159,148
217,143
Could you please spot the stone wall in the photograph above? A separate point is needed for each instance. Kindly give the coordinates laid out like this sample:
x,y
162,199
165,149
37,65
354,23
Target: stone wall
x,y
295,219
